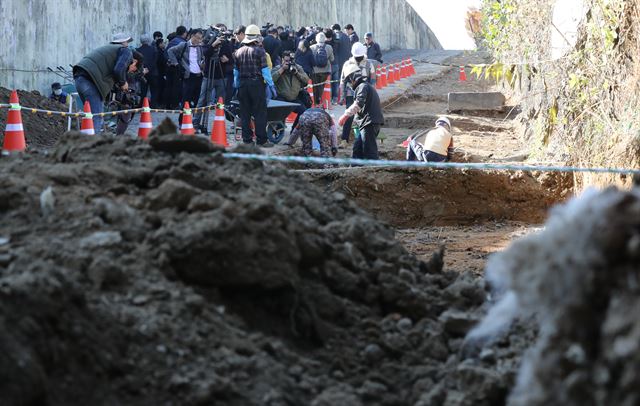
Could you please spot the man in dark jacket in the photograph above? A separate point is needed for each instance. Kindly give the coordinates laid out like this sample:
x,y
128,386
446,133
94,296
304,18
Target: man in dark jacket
x,y
188,57
343,52
173,86
374,54
152,78
58,94
273,45
353,36
97,73
367,111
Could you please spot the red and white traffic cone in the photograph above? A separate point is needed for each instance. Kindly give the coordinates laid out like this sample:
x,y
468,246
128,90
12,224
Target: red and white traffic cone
x,y
145,120
412,68
86,126
397,73
219,131
378,79
310,91
463,74
326,95
187,121
383,77
14,132
391,76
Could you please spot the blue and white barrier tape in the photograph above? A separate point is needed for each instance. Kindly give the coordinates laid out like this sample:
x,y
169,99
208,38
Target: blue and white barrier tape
x,y
434,165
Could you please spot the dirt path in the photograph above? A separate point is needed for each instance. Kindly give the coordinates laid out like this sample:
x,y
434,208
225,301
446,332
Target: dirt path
x,y
472,213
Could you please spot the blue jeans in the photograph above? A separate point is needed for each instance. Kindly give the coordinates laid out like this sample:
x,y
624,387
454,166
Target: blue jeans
x,y
88,91
217,89
335,78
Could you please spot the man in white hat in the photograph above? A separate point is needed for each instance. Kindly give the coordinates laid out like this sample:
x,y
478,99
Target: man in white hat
x,y
435,146
250,74
359,59
101,69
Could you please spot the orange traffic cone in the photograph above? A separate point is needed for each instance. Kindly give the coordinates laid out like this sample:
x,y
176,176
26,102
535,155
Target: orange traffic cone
x,y
406,143
145,120
310,91
291,118
391,77
383,77
397,73
378,80
187,121
463,74
14,132
412,68
86,127
403,70
326,95
219,132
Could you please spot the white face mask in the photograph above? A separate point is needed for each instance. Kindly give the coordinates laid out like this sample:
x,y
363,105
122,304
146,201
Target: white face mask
x,y
57,92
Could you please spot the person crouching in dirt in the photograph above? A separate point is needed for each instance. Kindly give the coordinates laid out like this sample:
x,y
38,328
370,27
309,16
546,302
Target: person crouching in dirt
x,y
367,111
319,123
100,70
132,99
436,146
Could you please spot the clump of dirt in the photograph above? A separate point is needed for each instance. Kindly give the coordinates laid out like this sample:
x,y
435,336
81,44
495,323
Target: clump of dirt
x,y
149,275
579,277
41,131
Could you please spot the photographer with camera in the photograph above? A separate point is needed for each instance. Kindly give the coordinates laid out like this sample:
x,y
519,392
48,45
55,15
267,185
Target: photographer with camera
x,y
218,55
291,82
132,97
97,73
188,59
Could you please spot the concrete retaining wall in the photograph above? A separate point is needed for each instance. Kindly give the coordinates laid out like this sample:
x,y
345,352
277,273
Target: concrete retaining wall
x,y
41,33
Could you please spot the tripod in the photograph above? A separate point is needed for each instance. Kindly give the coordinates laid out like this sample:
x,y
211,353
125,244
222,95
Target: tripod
x,y
215,65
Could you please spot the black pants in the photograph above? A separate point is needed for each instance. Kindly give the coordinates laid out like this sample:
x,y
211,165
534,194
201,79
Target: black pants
x,y
155,86
253,102
366,146
191,90
173,89
346,129
298,110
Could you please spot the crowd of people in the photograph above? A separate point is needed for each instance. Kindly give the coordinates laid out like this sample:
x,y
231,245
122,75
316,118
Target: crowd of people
x,y
250,64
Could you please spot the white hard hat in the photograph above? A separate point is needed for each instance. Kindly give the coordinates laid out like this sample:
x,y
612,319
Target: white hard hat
x,y
358,50
443,120
252,34
350,68
121,38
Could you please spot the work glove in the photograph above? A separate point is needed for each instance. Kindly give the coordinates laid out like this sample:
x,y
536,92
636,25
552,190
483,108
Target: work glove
x,y
342,120
272,93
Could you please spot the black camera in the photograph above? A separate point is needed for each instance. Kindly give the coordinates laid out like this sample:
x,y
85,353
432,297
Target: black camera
x,y
214,33
129,98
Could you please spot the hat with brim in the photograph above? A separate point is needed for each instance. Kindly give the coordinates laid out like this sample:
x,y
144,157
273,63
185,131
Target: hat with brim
x,y
121,38
249,39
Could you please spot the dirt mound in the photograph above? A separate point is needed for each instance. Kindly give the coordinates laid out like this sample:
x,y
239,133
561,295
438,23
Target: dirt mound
x,y
426,197
579,277
148,277
41,131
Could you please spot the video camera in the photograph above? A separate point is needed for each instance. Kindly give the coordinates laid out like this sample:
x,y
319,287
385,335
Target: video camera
x,y
126,99
212,34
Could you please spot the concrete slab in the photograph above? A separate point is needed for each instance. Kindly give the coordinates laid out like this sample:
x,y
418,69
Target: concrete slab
x,y
476,101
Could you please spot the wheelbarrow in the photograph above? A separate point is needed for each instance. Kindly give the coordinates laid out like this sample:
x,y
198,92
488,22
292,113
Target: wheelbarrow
x,y
277,113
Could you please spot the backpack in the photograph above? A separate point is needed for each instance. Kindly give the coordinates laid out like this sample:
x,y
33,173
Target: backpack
x,y
320,56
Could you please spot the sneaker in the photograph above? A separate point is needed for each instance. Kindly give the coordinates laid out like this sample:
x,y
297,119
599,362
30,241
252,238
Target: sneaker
x,y
266,145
